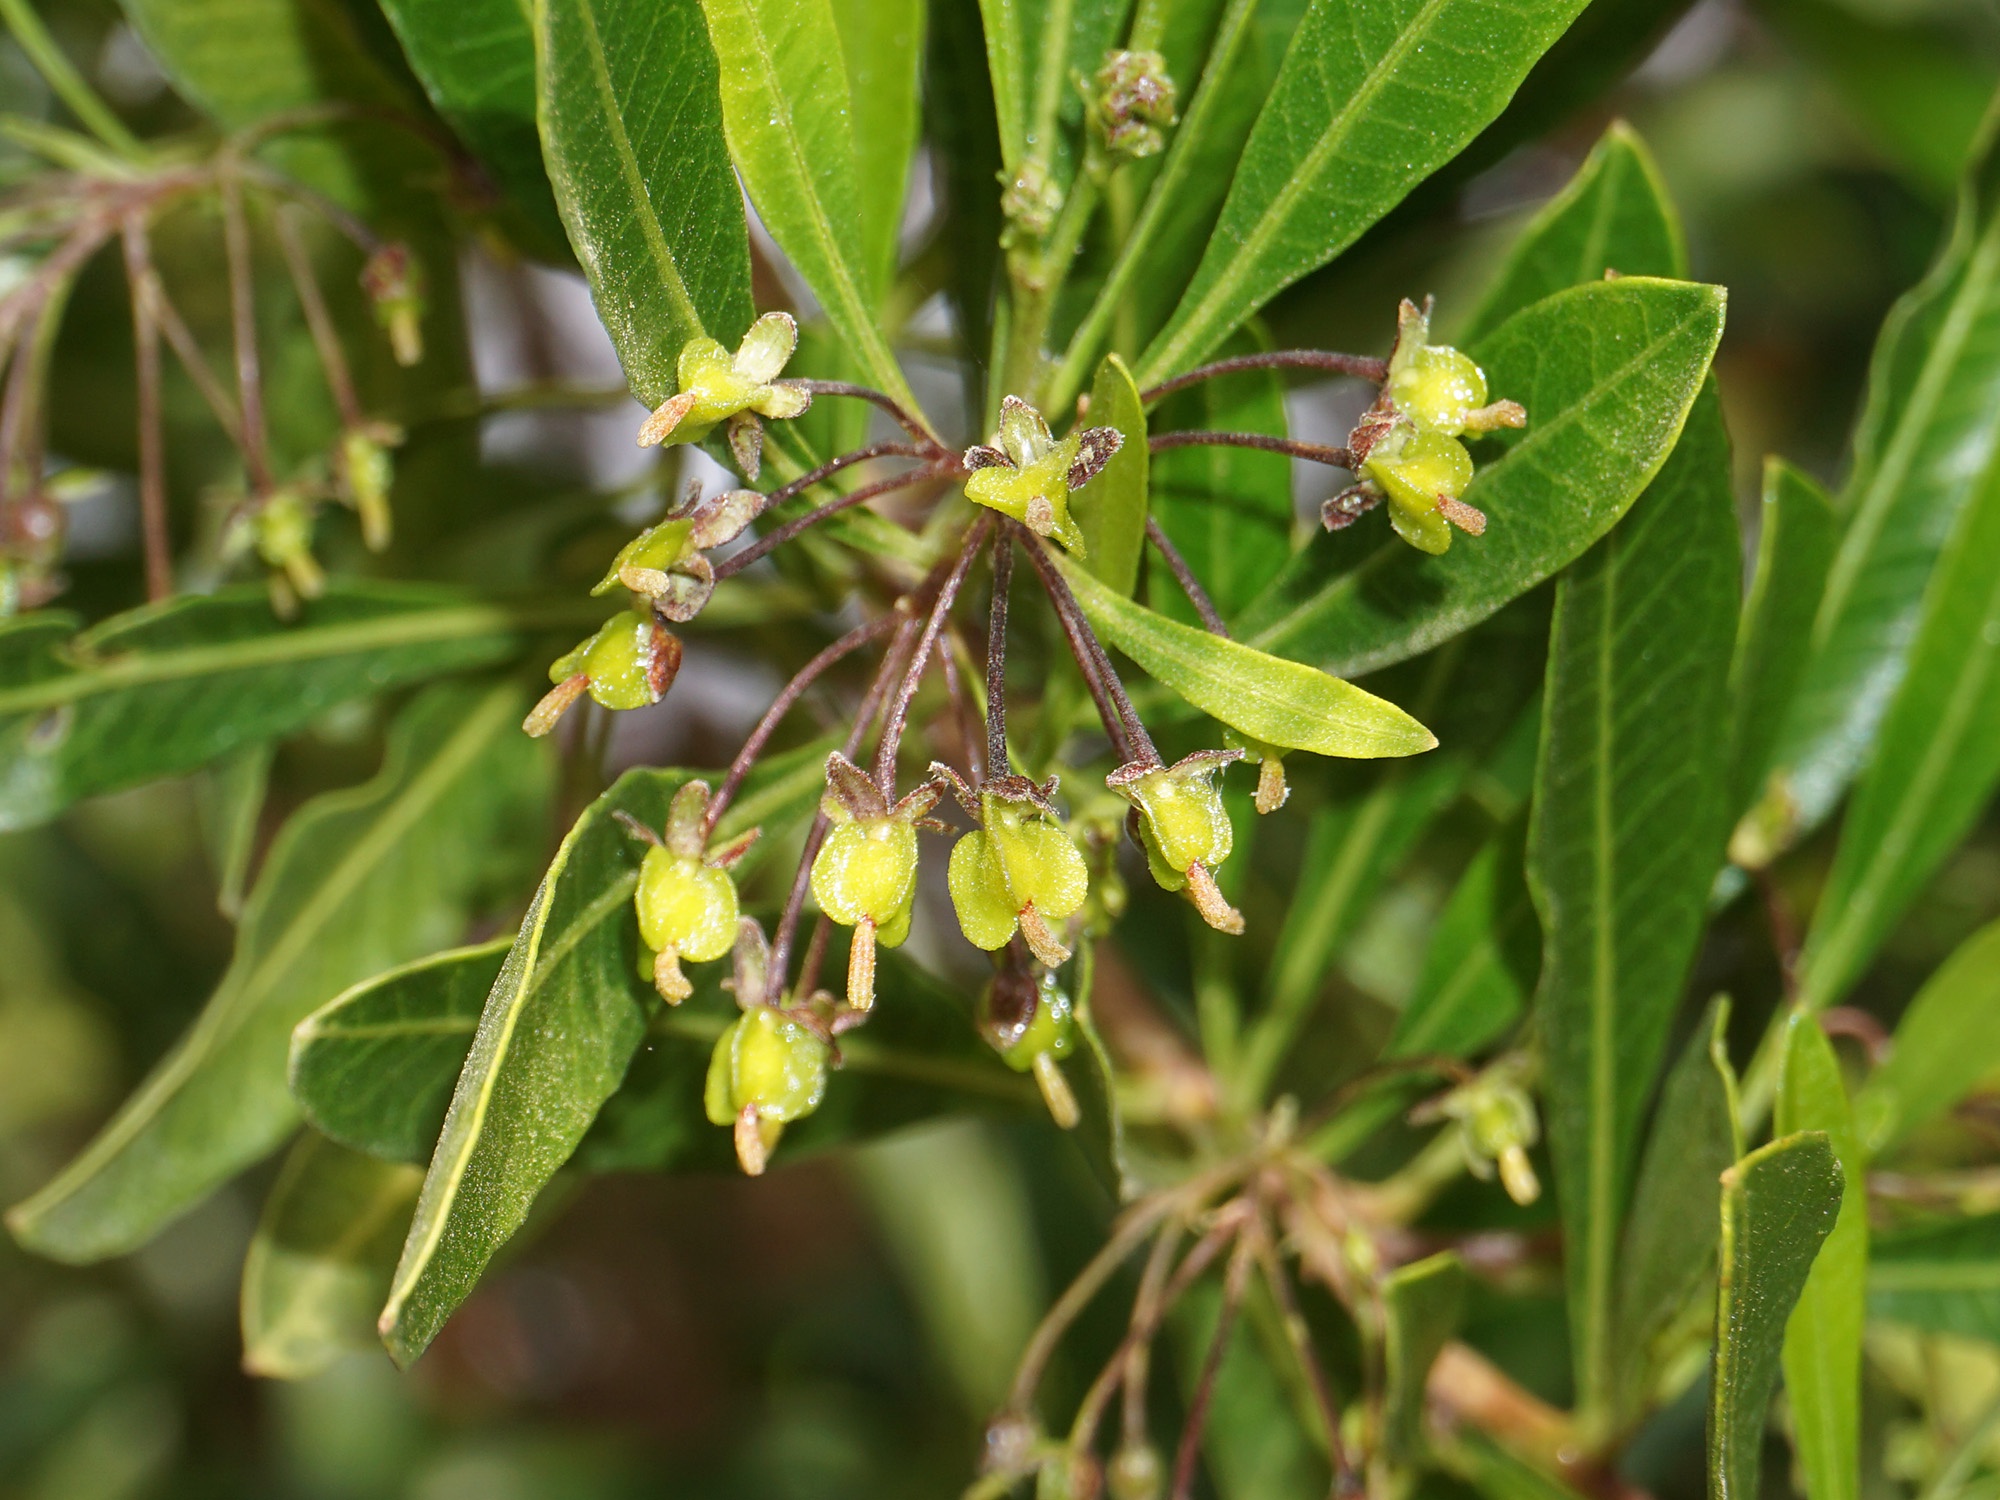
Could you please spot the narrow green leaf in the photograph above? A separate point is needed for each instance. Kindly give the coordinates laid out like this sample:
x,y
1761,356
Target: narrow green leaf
x,y
1481,966
558,1031
320,1260
632,136
168,688
1608,373
1946,1043
1626,836
373,1068
789,120
1371,99
1936,761
1266,697
1943,1277
1229,510
1034,51
1112,512
1925,446
476,61
1421,1306
1778,1204
882,44
357,880
1822,1353
1670,1238
1795,543
231,799
1613,216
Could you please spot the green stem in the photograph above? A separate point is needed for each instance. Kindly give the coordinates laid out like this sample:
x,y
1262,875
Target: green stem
x,y
1230,36
62,77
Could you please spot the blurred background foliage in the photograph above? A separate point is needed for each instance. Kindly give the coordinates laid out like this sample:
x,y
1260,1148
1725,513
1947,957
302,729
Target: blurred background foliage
x,y
843,1327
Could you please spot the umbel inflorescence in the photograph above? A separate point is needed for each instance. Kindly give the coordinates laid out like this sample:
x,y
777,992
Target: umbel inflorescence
x,y
1026,878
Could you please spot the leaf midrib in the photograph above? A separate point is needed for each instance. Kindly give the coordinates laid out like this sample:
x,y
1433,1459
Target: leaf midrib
x,y
144,668
224,1019
1302,181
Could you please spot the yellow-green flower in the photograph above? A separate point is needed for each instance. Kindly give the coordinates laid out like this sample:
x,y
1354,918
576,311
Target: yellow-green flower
x,y
717,386
1184,827
1029,475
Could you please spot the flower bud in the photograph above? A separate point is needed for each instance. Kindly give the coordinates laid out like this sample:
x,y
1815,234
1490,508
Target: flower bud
x,y
1132,104
629,663
716,386
279,527
766,1071
1027,1018
1136,1472
1018,871
394,282
1028,475
1184,827
366,471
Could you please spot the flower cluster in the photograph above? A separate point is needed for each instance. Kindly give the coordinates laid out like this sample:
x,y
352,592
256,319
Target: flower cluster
x,y
1028,884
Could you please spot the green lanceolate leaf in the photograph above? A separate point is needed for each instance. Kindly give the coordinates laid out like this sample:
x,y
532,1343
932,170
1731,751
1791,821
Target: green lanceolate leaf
x,y
1942,1277
1280,702
1483,959
1669,1246
1613,216
373,1068
632,135
1228,509
1371,99
357,880
320,1260
1608,373
558,1031
1421,1306
1795,543
1778,1204
1937,758
1947,1041
789,120
171,687
476,61
1924,448
1822,1353
882,44
1626,836
1112,513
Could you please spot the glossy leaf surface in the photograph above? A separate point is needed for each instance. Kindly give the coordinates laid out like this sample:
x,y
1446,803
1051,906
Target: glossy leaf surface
x,y
1947,1042
1277,701
1626,836
1608,373
168,688
558,1031
1936,761
632,134
1668,1250
373,1068
1795,540
1111,513
358,880
1778,1204
1613,216
789,121
1372,97
882,45
320,1260
1822,1353
1924,448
